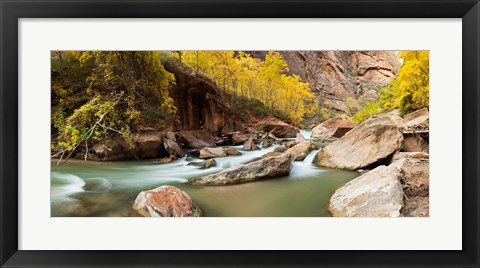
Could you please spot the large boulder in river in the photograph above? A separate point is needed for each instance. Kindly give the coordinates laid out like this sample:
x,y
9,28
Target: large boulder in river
x,y
279,128
217,152
212,152
249,145
238,138
258,170
372,141
166,201
196,139
377,193
300,151
232,151
149,145
173,149
333,127
299,137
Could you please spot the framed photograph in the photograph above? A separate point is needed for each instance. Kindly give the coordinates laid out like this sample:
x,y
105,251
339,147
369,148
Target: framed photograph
x,y
242,134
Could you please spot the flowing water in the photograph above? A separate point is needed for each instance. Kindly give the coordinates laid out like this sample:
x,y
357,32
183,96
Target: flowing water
x,y
81,188
306,133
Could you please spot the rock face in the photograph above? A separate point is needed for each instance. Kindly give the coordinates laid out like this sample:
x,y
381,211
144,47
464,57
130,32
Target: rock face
x,y
166,201
200,104
173,149
279,128
377,193
335,76
196,139
300,151
249,145
265,168
334,127
372,141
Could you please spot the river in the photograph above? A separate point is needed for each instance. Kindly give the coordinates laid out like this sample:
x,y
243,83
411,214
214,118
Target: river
x,y
88,188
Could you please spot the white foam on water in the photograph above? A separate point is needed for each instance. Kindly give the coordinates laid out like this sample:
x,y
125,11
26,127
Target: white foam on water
x,y
306,133
70,184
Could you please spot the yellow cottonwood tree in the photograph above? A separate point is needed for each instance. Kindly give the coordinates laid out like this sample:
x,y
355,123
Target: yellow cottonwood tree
x,y
242,75
407,92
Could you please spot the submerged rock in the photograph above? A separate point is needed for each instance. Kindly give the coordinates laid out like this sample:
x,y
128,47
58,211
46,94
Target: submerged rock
x,y
209,163
232,151
205,164
377,193
265,168
300,151
166,201
372,141
266,144
164,160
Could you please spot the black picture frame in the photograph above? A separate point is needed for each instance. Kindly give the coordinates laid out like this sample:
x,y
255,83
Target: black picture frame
x,y
11,11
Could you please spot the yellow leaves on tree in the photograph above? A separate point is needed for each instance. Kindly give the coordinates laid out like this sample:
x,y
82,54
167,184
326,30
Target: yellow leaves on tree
x,y
409,91
412,82
124,88
242,75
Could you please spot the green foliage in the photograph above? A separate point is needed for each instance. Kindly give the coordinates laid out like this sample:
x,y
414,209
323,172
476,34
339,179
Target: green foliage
x,y
370,109
121,89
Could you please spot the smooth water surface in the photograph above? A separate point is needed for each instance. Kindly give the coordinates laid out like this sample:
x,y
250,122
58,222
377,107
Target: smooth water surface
x,y
81,188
